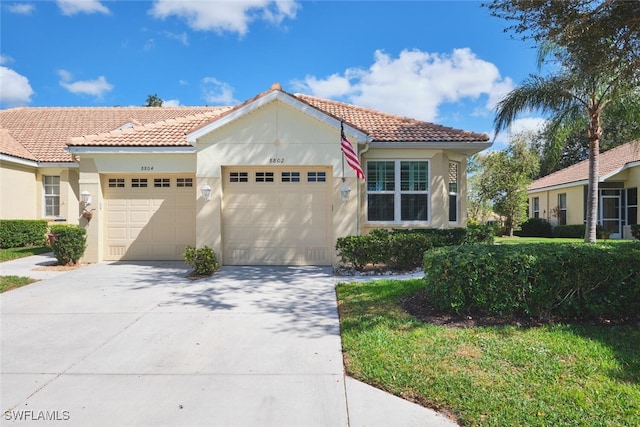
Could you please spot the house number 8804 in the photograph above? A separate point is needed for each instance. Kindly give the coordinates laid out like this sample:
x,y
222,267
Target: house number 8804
x,y
146,168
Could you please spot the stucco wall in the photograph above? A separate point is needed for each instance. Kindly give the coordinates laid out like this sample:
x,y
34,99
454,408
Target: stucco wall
x,y
18,188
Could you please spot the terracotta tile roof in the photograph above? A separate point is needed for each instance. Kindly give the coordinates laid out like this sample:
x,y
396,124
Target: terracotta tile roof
x,y
44,132
609,161
165,133
11,147
384,127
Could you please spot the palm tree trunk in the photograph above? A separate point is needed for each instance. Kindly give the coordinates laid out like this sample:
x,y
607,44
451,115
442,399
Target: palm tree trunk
x,y
594,133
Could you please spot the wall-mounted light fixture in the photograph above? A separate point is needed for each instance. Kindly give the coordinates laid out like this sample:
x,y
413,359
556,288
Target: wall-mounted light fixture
x,y
206,192
86,201
86,197
344,191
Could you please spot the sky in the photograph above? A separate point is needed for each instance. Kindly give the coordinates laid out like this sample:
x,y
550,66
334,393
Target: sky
x,y
446,62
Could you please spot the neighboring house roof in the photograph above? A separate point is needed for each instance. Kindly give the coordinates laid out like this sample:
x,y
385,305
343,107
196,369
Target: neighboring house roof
x,y
46,132
610,162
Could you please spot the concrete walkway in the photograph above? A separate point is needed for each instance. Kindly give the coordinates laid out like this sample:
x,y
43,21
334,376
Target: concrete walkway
x,y
140,345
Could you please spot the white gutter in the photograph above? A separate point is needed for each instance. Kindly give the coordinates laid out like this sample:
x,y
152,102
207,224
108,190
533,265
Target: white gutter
x,y
18,161
131,150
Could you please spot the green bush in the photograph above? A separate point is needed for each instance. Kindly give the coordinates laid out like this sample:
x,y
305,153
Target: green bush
x,y
569,280
574,231
402,248
203,260
535,227
19,233
635,231
69,243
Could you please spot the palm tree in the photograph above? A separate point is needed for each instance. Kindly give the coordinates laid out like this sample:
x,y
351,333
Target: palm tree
x,y
567,95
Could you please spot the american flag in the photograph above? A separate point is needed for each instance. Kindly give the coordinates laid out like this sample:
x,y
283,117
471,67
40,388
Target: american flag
x,y
350,154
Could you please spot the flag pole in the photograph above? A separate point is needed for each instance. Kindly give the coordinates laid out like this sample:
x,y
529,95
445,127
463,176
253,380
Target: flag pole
x,y
342,133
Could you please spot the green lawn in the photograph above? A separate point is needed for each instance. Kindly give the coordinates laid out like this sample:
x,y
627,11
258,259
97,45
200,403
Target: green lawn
x,y
552,375
11,282
14,253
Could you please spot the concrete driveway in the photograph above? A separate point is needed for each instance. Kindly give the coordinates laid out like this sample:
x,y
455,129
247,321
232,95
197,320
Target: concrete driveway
x,y
140,345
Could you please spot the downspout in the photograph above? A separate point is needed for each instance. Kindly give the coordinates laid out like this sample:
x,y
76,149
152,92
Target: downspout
x,y
367,146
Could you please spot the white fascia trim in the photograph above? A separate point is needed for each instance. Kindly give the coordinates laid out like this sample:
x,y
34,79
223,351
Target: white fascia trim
x,y
473,147
617,171
18,161
291,101
70,165
559,186
132,150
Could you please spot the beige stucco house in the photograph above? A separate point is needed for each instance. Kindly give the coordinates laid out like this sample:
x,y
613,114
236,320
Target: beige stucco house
x,y
561,197
262,182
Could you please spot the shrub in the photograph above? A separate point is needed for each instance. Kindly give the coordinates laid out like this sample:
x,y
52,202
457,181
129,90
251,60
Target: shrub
x,y
535,227
203,260
635,231
574,231
402,248
570,280
69,243
20,233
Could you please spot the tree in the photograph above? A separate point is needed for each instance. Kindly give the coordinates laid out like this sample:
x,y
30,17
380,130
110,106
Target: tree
x,y
504,178
478,206
153,101
596,48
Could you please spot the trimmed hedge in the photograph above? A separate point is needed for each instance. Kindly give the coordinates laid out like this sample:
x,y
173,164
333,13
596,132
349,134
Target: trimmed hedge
x,y
203,260
536,227
566,280
69,244
574,231
19,233
635,231
404,249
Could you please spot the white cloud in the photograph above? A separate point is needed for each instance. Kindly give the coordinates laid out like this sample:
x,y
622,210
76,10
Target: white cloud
x,y
21,8
171,103
415,83
5,59
72,7
216,92
227,16
518,126
182,38
15,89
97,87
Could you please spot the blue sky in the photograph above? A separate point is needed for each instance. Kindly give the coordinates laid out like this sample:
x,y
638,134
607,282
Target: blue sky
x,y
445,62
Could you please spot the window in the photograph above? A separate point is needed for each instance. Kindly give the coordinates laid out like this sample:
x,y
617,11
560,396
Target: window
x,y
161,182
562,209
290,176
397,191
632,206
184,182
116,182
138,182
453,192
51,195
316,177
238,176
536,207
264,176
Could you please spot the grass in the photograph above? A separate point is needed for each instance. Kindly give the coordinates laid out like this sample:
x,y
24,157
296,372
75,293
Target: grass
x,y
12,282
14,253
560,375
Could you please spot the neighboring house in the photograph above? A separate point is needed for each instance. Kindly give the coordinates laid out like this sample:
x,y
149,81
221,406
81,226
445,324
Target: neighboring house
x,y
561,197
260,183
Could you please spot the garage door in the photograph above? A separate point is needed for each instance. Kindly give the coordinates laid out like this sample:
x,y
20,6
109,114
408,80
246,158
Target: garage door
x,y
150,217
277,216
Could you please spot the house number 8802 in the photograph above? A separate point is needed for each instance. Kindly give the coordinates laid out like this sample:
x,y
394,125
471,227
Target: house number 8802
x,y
276,160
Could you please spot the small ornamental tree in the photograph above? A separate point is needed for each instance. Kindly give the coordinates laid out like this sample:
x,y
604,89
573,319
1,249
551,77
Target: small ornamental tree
x,y
69,244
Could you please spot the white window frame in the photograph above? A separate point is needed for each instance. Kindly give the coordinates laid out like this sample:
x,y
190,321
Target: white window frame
x,y
455,193
397,192
51,191
535,207
562,209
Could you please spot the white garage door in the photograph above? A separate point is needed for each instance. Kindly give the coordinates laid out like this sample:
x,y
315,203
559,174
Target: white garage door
x,y
277,216
150,217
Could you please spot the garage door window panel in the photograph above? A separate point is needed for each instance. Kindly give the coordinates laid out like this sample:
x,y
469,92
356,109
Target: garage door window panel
x,y
290,177
162,182
184,182
316,177
264,176
238,176
139,182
